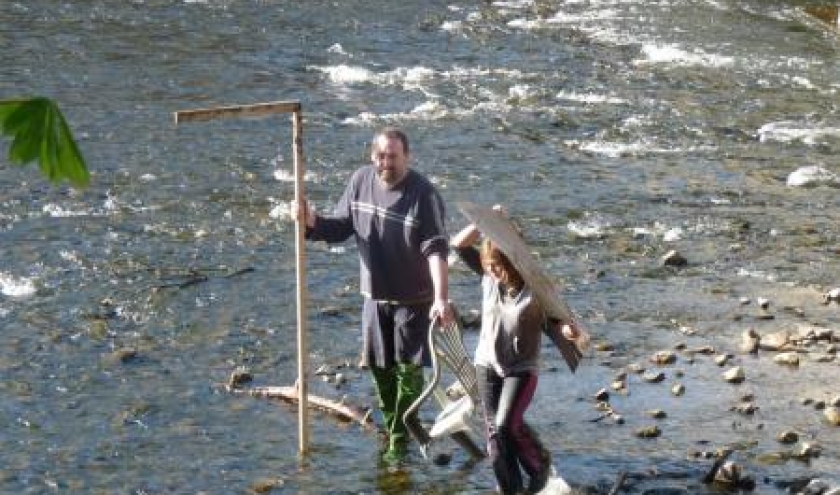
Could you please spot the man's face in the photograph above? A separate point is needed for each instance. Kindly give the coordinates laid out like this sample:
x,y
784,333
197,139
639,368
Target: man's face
x,y
390,160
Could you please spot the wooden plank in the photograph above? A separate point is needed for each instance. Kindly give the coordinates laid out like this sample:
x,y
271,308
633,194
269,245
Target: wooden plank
x,y
230,111
501,232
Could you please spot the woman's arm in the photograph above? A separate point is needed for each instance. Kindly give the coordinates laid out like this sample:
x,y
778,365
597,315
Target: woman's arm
x,y
464,244
466,237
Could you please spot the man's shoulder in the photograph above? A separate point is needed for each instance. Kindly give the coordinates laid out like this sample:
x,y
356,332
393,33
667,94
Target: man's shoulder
x,y
365,171
417,179
361,176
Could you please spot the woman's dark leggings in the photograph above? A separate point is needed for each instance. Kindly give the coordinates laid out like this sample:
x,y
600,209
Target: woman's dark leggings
x,y
510,441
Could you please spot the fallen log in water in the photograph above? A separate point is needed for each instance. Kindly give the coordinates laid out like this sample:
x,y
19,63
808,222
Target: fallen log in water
x,y
348,412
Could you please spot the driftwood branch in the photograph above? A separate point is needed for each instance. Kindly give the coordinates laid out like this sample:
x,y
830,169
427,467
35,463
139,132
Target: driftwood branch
x,y
348,412
194,277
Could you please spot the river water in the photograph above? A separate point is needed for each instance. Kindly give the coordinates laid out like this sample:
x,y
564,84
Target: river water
x,y
613,131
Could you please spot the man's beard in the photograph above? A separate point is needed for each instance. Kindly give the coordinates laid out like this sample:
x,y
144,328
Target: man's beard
x,y
391,177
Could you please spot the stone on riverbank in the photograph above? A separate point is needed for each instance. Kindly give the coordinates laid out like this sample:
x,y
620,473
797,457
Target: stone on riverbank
x,y
735,375
832,414
787,359
648,432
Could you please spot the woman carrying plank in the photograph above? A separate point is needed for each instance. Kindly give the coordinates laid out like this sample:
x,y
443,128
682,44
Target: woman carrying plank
x,y
507,363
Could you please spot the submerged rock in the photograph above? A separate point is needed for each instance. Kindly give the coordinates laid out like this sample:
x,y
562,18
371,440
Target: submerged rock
x,y
674,258
653,376
723,359
735,375
649,432
832,296
775,341
808,450
728,474
663,358
788,436
787,359
240,376
657,414
832,415
750,342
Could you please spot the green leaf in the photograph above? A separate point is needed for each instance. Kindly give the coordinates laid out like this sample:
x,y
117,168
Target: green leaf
x,y
40,132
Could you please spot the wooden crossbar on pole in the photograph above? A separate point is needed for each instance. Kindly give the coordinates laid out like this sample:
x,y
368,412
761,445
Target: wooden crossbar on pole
x,y
264,110
254,110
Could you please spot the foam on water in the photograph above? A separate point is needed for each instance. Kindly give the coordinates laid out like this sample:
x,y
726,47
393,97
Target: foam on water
x,y
16,286
675,55
590,98
787,131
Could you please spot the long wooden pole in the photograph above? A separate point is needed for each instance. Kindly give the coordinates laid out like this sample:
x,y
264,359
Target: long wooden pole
x,y
300,231
263,110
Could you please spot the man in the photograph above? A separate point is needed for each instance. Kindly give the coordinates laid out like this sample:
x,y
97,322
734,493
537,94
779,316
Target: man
x,y
397,218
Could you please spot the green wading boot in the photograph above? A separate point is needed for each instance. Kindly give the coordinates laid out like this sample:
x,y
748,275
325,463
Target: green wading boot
x,y
398,388
385,382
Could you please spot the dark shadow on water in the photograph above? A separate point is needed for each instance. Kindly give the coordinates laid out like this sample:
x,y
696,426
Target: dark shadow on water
x,y
400,479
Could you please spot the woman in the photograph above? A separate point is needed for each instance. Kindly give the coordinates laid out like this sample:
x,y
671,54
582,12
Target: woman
x,y
507,363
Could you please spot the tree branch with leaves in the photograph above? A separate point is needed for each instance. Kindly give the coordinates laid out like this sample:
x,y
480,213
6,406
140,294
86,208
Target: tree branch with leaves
x,y
39,132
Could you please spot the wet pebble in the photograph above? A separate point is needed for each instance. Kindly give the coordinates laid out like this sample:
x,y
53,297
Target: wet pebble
x,y
735,375
674,258
775,341
603,346
729,473
723,359
635,368
663,358
653,376
266,485
822,357
832,296
649,432
832,415
808,450
745,408
125,355
602,395
815,487
787,436
324,369
239,377
787,359
750,341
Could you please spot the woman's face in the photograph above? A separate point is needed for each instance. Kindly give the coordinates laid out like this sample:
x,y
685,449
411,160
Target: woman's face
x,y
496,269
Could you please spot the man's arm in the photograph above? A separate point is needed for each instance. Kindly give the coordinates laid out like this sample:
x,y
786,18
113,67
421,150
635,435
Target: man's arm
x,y
302,212
439,269
329,229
